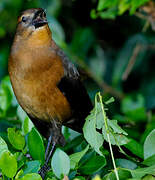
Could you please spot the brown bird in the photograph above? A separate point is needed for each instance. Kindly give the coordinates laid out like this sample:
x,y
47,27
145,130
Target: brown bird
x,y
46,84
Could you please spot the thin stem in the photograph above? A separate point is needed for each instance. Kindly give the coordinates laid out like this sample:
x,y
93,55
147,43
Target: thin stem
x,y
146,26
108,136
132,61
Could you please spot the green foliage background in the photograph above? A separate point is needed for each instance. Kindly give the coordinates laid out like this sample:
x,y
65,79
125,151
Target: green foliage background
x,y
112,43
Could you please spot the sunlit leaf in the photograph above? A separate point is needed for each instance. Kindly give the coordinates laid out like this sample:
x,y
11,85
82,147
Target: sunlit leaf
x,y
31,176
36,145
149,145
111,100
124,163
135,4
75,158
3,146
8,164
16,138
60,163
94,138
102,4
149,161
140,172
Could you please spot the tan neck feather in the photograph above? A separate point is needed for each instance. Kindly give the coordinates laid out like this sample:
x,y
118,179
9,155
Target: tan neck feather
x,y
40,37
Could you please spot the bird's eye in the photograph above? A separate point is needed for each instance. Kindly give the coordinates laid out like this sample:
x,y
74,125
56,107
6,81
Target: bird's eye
x,y
24,19
44,14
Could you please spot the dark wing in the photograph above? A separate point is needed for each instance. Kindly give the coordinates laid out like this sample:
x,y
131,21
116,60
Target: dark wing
x,y
79,100
75,92
70,69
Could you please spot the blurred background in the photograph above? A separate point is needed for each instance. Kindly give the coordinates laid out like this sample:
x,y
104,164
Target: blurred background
x,y
111,42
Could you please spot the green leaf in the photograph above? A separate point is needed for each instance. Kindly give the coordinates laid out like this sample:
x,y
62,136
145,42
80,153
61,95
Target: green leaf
x,y
111,100
3,146
94,138
21,113
75,158
149,161
149,145
31,176
139,173
124,163
135,148
5,95
73,143
27,126
116,128
149,177
16,138
116,133
2,32
79,178
8,164
31,167
97,113
93,121
136,4
115,138
36,145
123,174
123,6
19,174
92,165
103,4
60,163
21,159
108,14
135,109
93,14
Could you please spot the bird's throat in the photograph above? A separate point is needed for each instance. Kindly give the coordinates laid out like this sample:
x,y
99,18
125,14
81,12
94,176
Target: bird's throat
x,y
40,37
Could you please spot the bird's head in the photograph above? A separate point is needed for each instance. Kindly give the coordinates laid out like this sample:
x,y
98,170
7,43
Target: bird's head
x,y
33,25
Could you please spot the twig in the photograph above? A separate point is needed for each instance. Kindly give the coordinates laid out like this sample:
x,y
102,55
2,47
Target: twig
x,y
139,15
146,26
132,61
108,136
136,49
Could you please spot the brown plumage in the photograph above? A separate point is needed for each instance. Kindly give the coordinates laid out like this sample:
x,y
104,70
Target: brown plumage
x,y
45,82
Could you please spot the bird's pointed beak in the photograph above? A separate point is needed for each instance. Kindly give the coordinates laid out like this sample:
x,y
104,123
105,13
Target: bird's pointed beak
x,y
39,19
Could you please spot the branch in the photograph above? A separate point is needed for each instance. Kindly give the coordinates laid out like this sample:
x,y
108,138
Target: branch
x,y
131,62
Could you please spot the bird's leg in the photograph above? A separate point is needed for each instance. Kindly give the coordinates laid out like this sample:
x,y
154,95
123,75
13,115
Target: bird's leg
x,y
56,137
48,146
48,155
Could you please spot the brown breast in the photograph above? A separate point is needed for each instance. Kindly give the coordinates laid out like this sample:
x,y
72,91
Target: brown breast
x,y
35,73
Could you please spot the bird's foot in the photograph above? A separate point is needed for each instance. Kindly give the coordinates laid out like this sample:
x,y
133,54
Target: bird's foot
x,y
42,172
